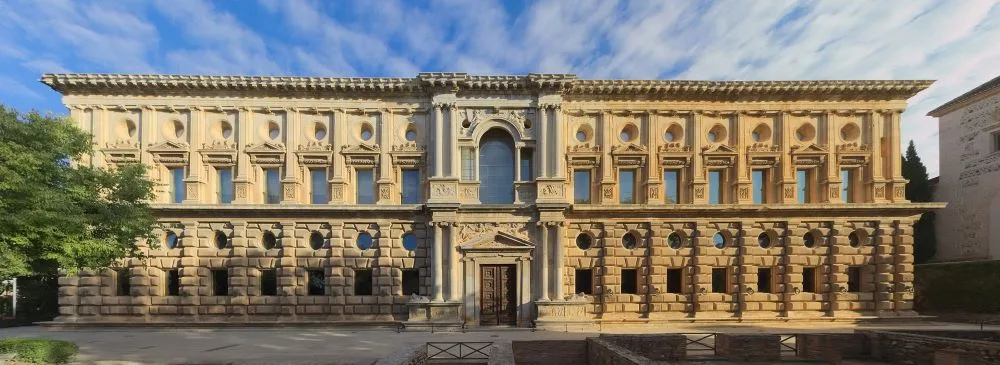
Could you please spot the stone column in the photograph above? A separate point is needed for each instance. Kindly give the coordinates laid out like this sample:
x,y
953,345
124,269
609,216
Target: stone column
x,y
453,152
453,264
436,263
543,141
560,144
559,267
242,190
697,135
744,183
517,164
438,141
830,191
786,187
543,261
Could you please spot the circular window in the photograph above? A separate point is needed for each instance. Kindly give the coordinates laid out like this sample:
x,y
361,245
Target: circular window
x,y
364,241
316,240
764,240
319,132
411,133
583,241
809,240
584,133
466,123
221,241
719,240
805,133
170,240
629,133
178,129
527,124
629,241
130,128
669,136
409,242
673,134
717,134
225,129
854,239
850,132
269,241
674,241
273,131
580,136
366,132
761,134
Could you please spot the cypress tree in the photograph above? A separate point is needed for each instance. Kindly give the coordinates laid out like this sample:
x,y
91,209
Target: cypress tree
x,y
919,190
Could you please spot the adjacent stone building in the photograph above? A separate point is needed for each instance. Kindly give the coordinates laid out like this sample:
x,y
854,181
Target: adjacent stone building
x,y
969,126
540,199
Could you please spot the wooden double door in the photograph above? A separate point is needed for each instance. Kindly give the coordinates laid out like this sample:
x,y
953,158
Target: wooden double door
x,y
498,295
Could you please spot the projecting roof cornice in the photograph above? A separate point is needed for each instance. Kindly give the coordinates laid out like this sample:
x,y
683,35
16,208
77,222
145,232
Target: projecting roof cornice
x,y
433,82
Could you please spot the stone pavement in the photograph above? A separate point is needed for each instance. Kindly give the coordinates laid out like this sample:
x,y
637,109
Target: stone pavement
x,y
338,345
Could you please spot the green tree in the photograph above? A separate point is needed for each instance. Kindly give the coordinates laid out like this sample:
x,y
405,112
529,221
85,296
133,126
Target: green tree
x,y
56,212
919,190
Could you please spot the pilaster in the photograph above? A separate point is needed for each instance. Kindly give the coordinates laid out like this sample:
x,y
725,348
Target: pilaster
x,y
698,183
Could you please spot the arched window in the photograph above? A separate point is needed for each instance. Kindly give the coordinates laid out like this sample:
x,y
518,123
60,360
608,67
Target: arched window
x,y
409,242
719,240
269,241
629,241
170,240
316,240
496,168
583,241
364,241
674,240
221,241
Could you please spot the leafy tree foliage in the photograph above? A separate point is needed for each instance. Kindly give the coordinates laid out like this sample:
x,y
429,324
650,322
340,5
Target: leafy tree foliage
x,y
56,212
919,190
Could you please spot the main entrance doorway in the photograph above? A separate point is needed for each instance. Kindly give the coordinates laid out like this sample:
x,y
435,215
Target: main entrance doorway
x,y
497,292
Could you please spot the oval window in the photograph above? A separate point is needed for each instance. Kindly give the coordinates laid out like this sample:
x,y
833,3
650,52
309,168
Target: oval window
x,y
809,240
764,240
366,133
269,241
854,239
674,241
178,129
583,241
130,128
669,136
320,132
221,241
712,137
719,240
409,242
316,240
170,240
364,241
581,136
273,131
411,135
225,129
629,241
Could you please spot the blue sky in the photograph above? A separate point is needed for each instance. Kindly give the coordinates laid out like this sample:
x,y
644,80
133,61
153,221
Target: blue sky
x,y
954,42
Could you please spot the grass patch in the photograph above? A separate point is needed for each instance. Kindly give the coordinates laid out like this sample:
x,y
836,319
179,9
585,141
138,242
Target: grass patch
x,y
39,350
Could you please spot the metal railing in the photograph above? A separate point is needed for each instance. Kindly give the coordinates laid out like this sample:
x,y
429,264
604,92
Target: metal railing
x,y
788,345
703,344
458,350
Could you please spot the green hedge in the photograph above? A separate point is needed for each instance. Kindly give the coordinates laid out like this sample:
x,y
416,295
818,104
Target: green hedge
x,y
968,287
39,350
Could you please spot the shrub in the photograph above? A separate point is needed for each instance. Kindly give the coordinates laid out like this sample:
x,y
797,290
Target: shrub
x,y
968,287
39,350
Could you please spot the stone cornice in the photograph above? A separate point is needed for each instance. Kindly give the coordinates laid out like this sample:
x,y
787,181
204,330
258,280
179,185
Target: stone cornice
x,y
431,82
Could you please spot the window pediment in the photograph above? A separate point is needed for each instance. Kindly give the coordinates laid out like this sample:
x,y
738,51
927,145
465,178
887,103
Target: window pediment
x,y
122,151
630,155
266,153
853,155
219,152
315,154
170,153
719,155
361,155
407,155
810,155
496,241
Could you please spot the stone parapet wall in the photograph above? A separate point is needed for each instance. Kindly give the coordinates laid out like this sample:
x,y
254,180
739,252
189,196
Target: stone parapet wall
x,y
916,348
748,348
653,347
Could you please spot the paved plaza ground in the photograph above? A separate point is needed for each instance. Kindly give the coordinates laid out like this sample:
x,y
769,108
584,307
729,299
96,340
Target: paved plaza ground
x,y
338,345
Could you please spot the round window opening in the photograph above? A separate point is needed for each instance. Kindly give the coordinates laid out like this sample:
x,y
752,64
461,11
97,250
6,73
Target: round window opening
x,y
411,135
178,129
805,133
850,132
320,132
269,241
316,240
756,136
366,133
170,240
712,136
809,240
130,128
764,240
527,124
583,241
273,131
221,241
225,129
364,241
719,240
673,134
466,124
629,241
581,136
674,241
409,242
854,239
669,136
629,133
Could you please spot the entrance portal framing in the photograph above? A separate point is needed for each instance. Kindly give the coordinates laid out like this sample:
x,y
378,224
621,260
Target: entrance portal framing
x,y
497,248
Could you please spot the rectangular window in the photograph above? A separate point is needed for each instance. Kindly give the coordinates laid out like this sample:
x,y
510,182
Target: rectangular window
x,y
362,282
847,185
630,281
123,279
759,186
527,165
225,186
720,279
854,279
174,282
317,282
220,282
996,141
320,186
366,186
468,164
269,282
411,281
581,186
671,179
675,281
714,187
808,279
272,178
802,179
626,186
177,191
584,281
411,187
764,279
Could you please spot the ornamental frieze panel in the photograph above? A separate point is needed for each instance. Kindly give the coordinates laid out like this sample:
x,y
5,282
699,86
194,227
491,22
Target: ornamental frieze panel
x,y
219,152
808,156
266,153
407,155
550,190
630,155
467,231
170,152
125,150
363,155
470,118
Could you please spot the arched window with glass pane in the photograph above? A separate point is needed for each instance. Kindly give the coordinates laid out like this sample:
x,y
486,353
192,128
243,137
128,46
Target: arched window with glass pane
x,y
496,168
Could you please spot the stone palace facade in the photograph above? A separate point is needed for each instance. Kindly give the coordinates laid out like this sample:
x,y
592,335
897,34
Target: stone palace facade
x,y
535,200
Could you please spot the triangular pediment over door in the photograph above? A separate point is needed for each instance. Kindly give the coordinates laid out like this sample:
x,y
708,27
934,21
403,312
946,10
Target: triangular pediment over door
x,y
497,242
